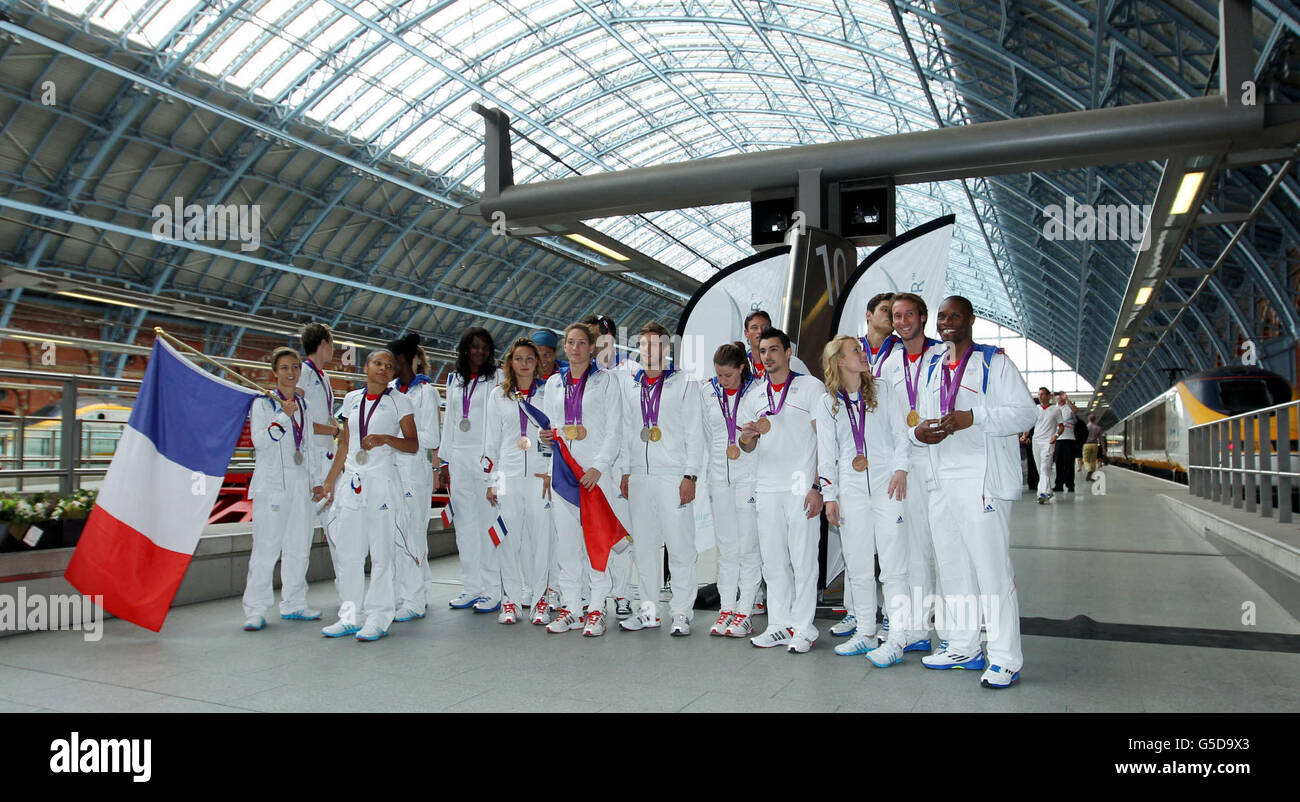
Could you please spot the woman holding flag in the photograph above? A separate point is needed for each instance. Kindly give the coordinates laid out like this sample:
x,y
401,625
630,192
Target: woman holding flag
x,y
582,406
863,457
282,491
519,488
365,489
411,562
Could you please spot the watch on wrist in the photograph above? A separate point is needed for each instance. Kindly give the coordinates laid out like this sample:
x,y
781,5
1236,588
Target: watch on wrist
x,y
689,476
817,487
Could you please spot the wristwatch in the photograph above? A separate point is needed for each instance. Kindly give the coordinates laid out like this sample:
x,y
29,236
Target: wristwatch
x,y
817,487
689,476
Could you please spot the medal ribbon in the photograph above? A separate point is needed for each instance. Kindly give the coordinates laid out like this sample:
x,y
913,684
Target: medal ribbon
x,y
948,391
467,396
913,387
858,423
363,422
729,417
329,391
523,418
784,392
299,423
573,397
878,360
650,398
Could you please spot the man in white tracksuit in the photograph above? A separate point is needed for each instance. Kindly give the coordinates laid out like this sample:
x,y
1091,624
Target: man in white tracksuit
x,y
780,429
661,458
282,492
1046,424
972,412
318,345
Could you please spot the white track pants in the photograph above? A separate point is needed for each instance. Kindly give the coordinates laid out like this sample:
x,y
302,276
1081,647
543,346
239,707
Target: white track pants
x,y
740,567
620,565
972,538
871,525
282,529
787,540
480,575
525,554
572,561
1043,454
411,547
660,521
367,523
920,555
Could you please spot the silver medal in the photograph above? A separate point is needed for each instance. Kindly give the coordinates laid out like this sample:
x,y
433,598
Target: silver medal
x,y
363,457
297,458
464,424
645,434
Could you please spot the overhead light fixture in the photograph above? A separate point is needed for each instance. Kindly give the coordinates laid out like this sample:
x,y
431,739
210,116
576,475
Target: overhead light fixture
x,y
1104,384
97,299
1109,376
1187,192
1143,295
1123,342
597,247
1117,357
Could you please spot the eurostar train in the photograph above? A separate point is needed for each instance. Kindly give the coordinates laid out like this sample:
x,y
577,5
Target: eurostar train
x,y
1154,438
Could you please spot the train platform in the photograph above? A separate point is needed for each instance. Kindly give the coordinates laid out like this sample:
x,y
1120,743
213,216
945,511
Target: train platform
x,y
1124,605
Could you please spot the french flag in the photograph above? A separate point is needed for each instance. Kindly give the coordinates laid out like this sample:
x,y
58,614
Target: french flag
x,y
160,488
497,531
447,515
601,528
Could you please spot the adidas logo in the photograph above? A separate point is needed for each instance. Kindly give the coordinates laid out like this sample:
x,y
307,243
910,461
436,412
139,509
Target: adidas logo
x,y
900,520
988,508
383,507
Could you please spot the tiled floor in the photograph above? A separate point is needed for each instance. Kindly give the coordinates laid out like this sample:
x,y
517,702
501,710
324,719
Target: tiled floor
x,y
1116,558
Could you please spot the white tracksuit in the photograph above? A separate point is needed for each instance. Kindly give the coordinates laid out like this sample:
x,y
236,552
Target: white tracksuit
x,y
871,521
525,553
480,574
601,415
655,471
730,486
977,477
282,509
786,469
368,510
315,387
1047,418
411,559
916,507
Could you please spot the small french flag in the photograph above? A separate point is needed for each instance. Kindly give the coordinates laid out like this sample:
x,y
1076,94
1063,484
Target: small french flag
x,y
497,531
447,514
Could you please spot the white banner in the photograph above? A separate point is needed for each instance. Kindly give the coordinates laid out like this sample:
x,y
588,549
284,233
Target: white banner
x,y
915,261
716,314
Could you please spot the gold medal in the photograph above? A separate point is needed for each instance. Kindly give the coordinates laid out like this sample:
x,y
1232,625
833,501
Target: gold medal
x,y
913,419
570,432
579,432
860,463
655,434
763,425
524,443
733,451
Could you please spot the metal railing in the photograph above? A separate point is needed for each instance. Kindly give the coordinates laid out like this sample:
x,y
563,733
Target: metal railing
x,y
1247,460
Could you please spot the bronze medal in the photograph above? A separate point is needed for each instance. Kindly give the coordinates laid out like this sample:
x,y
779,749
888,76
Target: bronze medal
x,y
913,419
580,432
733,451
645,434
524,443
763,425
860,463
656,434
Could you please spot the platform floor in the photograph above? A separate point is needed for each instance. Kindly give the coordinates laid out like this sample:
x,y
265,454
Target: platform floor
x,y
1117,559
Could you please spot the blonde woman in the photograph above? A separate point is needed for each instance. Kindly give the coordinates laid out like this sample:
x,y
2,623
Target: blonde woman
x,y
863,459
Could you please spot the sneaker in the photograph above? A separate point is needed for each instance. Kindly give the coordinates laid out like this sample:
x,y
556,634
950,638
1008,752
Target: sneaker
x,y
740,627
918,645
950,659
720,626
623,608
487,604
858,644
1042,498
800,644
254,623
305,614
681,627
405,614
997,678
773,637
645,619
595,625
564,622
541,612
847,626
371,632
886,654
463,601
340,628
760,608
509,614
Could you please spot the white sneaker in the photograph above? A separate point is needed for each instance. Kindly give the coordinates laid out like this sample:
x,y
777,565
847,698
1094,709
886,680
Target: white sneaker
x,y
487,604
253,623
720,626
997,678
645,619
800,644
541,612
340,628
371,632
948,659
760,608
887,654
509,614
681,626
623,608
305,614
772,637
564,622
595,625
405,614
846,626
740,627
463,602
860,643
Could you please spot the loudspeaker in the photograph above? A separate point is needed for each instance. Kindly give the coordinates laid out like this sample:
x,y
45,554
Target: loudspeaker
x,y
863,211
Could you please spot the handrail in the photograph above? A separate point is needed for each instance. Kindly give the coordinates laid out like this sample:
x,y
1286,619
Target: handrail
x,y
1246,460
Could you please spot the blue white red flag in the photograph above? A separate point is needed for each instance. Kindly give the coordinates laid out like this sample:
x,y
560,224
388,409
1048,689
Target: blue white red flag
x,y
447,514
497,531
601,528
160,488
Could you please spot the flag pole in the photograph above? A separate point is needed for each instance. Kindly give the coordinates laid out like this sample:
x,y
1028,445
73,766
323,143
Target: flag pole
x,y
159,331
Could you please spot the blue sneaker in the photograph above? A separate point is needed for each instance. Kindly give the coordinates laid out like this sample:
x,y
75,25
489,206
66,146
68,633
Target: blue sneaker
x,y
950,659
921,645
846,626
254,623
860,644
305,614
464,601
487,604
998,678
371,632
887,654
